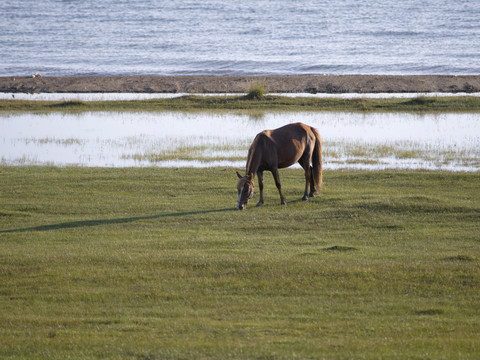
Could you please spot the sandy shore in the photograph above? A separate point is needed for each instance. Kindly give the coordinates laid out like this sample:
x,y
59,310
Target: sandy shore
x,y
240,84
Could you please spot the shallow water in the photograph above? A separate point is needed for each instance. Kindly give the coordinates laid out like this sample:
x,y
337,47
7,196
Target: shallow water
x,y
173,139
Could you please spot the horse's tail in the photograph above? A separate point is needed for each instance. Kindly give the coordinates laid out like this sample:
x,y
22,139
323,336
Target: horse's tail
x,y
317,173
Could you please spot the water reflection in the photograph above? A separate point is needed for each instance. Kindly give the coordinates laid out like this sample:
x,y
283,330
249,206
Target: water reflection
x,y
173,139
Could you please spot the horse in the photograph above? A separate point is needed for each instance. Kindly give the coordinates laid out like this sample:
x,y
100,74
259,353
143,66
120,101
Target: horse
x,y
280,148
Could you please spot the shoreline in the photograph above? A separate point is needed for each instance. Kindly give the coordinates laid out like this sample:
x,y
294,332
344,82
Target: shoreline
x,y
330,84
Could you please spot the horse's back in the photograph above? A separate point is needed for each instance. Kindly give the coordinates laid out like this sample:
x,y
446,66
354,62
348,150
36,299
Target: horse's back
x,y
280,148
291,142
295,131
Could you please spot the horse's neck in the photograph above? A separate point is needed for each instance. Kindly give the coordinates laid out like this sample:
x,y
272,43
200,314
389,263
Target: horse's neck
x,y
254,159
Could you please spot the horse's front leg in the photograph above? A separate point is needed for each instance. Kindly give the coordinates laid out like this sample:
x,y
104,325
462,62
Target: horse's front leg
x,y
276,176
260,186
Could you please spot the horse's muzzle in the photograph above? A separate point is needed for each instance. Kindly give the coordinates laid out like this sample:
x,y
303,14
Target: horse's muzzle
x,y
241,206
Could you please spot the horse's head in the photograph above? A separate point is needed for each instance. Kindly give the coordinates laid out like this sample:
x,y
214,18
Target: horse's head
x,y
245,190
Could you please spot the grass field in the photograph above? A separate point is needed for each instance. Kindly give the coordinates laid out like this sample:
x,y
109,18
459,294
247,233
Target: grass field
x,y
262,103
148,263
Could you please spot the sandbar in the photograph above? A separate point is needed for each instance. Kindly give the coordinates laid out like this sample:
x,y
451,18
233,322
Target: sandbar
x,y
330,84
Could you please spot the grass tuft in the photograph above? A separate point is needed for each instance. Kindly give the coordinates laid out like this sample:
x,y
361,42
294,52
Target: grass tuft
x,y
256,91
461,258
340,248
430,312
67,104
420,101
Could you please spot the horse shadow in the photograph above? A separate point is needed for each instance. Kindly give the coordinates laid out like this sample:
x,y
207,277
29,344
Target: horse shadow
x,y
125,220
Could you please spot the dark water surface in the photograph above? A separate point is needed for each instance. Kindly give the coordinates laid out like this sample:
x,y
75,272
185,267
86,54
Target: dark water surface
x,y
131,37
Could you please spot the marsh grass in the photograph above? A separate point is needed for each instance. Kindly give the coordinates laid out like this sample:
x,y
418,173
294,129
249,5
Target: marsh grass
x,y
148,263
375,153
256,91
204,153
337,153
69,104
262,103
48,140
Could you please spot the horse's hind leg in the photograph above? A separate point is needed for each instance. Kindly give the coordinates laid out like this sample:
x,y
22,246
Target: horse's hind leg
x,y
308,177
276,177
312,184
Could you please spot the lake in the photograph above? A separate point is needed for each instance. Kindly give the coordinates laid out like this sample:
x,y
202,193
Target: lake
x,y
370,141
216,37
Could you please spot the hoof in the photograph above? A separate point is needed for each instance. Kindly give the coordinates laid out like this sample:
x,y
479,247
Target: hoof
x,y
311,195
305,198
283,202
260,203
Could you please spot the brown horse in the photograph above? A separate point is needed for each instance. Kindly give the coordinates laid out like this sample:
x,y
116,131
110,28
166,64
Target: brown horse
x,y
276,149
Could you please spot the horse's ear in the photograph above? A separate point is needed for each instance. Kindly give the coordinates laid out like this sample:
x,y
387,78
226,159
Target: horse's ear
x,y
239,176
251,177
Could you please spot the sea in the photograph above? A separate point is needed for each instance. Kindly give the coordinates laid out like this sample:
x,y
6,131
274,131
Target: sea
x,y
220,37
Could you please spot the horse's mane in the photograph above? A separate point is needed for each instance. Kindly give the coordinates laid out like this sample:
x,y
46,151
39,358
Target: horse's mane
x,y
255,152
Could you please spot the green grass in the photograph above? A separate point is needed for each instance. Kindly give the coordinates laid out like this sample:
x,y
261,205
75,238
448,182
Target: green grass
x,y
256,103
148,263
256,91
